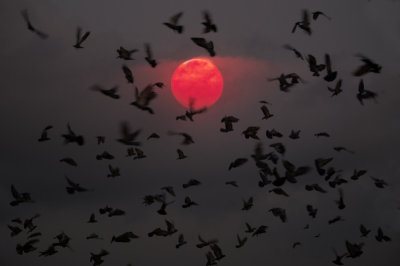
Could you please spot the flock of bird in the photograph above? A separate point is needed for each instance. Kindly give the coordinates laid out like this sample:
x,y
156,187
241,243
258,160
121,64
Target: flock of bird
x,y
275,171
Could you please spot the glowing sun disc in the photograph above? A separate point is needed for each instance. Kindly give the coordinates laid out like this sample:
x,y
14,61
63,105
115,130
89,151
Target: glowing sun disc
x,y
197,80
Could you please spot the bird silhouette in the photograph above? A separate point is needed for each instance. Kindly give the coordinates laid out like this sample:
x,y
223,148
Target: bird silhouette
x,y
44,135
71,137
69,161
19,197
128,74
74,187
124,238
330,75
237,162
364,231
112,93
241,241
279,212
143,99
187,139
30,27
125,54
128,137
208,45
149,56
368,66
317,14
205,243
228,122
364,94
294,50
381,236
80,38
337,90
173,23
314,67
304,24
181,241
209,26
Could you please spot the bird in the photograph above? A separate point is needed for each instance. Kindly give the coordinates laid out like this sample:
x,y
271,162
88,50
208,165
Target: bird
x,y
379,183
125,54
112,93
335,219
173,23
187,139
93,236
217,251
181,155
279,212
189,202
74,187
340,201
322,134
368,66
266,112
316,15
71,137
237,162
80,38
191,182
279,147
251,132
19,197
181,241
315,187
27,246
249,228
330,75
382,237
364,94
51,250
170,190
205,243
232,183
128,74
337,89
321,162
124,238
153,136
210,259
100,139
241,241
105,155
294,50
364,231
30,27
208,23
279,191
262,229
92,218
340,148
273,133
149,56
304,24
139,154
264,180
357,174
247,204
338,258
295,244
294,134
192,111
15,230
311,211
97,259
69,160
314,67
114,171
354,250
143,99
228,122
128,137
44,135
208,45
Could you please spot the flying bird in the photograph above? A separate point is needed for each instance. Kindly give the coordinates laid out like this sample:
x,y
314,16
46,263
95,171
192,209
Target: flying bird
x,y
368,66
128,137
228,122
208,23
173,23
304,24
294,50
330,75
19,197
316,14
80,38
125,54
74,187
364,94
266,112
112,93
128,74
208,45
337,89
187,139
44,135
149,56
237,162
71,137
28,22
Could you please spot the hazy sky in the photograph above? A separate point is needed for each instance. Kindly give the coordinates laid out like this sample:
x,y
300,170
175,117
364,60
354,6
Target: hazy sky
x,y
46,82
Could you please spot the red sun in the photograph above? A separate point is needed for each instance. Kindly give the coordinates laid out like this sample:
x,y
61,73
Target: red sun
x,y
197,80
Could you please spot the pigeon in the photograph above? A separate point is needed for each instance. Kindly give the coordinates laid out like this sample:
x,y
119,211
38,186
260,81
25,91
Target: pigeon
x,y
266,112
69,161
368,66
279,212
241,241
330,75
381,237
143,99
237,162
181,241
124,238
80,38
337,90
173,23
39,33
228,121
19,197
128,137
316,14
74,187
44,135
125,54
364,94
296,52
204,243
208,45
191,182
304,24
149,56
187,139
208,23
364,231
128,74
71,137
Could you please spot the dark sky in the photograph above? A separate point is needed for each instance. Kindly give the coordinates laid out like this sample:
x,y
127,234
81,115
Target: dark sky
x,y
46,82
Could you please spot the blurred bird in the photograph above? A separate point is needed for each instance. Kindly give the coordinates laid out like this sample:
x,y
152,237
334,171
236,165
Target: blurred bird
x,y
208,23
228,121
71,137
124,238
128,137
232,183
208,45
279,212
337,90
149,56
379,183
381,237
217,251
294,134
139,154
249,228
316,15
44,135
189,202
173,23
312,211
181,155
364,231
181,241
114,171
241,241
251,132
19,197
354,250
335,219
314,67
104,155
266,112
39,33
237,162
125,54
338,258
357,174
262,229
143,99
296,52
273,133
92,218
74,187
340,201
128,74
191,182
27,246
69,160
153,136
80,38
304,24
369,66
330,75
112,93
187,139
204,243
100,140
247,204
364,94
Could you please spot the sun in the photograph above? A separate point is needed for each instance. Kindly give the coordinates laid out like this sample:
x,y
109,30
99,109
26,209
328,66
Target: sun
x,y
197,80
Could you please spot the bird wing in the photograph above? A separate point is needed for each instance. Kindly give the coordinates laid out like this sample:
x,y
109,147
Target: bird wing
x,y
175,18
15,192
